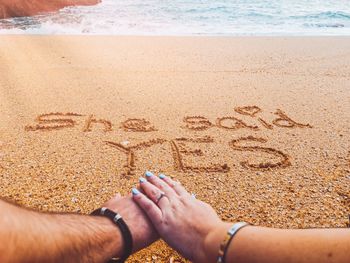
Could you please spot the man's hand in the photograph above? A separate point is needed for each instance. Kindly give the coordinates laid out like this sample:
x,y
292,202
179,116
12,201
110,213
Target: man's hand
x,y
51,237
141,228
17,8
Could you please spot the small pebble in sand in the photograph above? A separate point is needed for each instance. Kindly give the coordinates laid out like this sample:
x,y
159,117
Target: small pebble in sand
x,y
125,143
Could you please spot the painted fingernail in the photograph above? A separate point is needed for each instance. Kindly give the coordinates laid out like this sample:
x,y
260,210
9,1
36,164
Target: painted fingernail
x,y
148,174
142,180
135,191
162,176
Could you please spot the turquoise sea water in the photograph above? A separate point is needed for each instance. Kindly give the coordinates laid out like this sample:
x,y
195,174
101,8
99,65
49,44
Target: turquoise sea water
x,y
191,17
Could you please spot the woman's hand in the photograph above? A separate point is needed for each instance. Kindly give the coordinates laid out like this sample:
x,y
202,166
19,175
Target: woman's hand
x,y
185,223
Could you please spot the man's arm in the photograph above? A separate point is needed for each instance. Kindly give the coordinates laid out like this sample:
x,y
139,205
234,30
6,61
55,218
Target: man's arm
x,y
18,8
29,236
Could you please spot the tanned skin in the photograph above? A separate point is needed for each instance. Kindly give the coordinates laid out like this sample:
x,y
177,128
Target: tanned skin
x,y
18,8
30,236
188,225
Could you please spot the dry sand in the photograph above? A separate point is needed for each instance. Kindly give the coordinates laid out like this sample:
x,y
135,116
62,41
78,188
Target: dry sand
x,y
143,93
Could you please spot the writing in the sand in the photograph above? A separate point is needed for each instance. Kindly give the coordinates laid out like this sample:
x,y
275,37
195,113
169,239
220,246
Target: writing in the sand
x,y
181,147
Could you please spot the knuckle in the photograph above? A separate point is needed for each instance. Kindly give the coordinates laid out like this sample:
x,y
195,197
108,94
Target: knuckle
x,y
160,221
183,200
178,185
173,184
168,181
166,219
174,207
161,186
138,197
148,205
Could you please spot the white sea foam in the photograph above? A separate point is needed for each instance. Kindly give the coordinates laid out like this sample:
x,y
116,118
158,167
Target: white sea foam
x,y
191,17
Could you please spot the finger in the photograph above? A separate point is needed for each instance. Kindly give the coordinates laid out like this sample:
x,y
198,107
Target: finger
x,y
155,194
163,186
114,198
148,206
178,188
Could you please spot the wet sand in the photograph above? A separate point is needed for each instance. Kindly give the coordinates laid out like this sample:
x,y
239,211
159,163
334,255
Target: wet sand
x,y
257,127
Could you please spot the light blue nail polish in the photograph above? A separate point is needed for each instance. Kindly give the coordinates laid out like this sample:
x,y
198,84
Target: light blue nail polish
x,y
142,180
162,176
148,174
135,191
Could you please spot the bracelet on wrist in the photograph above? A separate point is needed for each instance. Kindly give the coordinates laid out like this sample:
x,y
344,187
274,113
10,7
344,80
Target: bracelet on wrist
x,y
124,229
228,239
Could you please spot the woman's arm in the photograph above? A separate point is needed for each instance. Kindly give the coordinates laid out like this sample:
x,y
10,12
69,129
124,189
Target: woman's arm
x,y
194,229
261,244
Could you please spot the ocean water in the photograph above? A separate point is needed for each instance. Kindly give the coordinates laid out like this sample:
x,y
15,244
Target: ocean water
x,y
191,17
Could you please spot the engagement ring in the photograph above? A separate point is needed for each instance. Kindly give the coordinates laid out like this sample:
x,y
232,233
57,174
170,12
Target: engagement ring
x,y
160,197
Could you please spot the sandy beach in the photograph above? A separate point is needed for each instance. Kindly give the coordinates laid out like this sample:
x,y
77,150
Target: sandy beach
x,y
258,127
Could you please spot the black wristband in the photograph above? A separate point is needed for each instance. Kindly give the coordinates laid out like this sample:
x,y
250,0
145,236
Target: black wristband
x,y
124,229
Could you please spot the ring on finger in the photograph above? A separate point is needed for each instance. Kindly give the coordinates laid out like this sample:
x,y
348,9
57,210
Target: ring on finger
x,y
162,194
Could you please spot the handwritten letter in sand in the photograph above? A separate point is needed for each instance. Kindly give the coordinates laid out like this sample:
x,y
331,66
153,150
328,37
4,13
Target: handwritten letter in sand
x,y
183,149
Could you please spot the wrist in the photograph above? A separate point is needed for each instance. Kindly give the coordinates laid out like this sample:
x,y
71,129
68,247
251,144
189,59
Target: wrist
x,y
213,240
122,227
113,237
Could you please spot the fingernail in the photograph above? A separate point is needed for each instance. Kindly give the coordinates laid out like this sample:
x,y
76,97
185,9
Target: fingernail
x,y
142,180
135,191
194,196
162,176
148,174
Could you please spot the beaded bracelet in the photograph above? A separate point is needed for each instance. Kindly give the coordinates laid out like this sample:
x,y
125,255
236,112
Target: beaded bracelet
x,y
226,242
